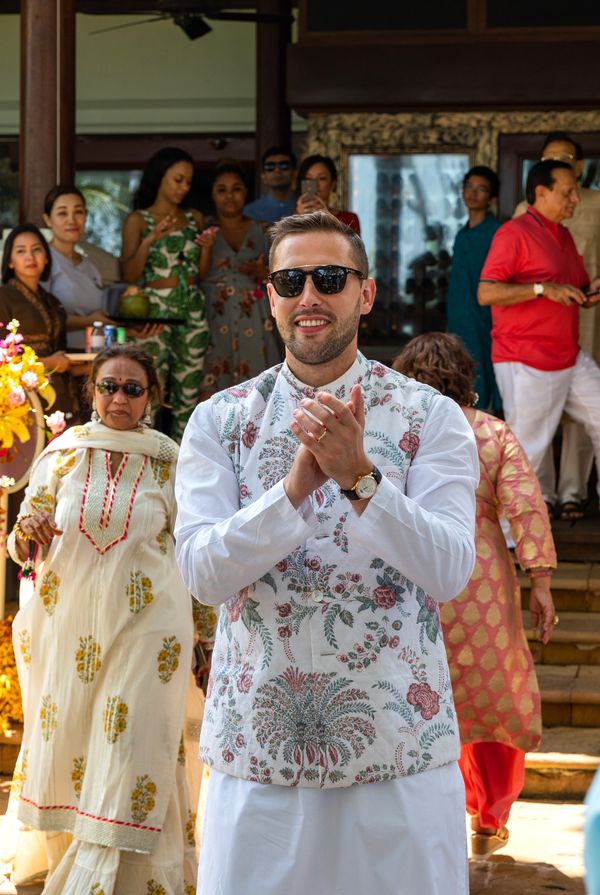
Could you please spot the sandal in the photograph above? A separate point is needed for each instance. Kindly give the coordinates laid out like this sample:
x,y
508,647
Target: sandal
x,y
571,510
485,844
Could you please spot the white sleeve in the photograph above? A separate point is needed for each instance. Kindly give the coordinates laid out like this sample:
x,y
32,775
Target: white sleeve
x,y
428,533
220,547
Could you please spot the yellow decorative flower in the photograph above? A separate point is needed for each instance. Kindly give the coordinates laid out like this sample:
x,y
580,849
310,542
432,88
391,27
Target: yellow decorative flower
x,y
96,889
20,372
48,714
155,888
87,659
161,540
168,658
189,889
161,471
42,500
139,591
49,591
64,463
190,828
20,774
77,774
115,718
181,752
10,692
25,646
205,623
142,798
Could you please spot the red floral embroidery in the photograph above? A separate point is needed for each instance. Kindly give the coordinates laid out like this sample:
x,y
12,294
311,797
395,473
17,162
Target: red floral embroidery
x,y
236,604
249,434
384,596
426,700
244,681
409,443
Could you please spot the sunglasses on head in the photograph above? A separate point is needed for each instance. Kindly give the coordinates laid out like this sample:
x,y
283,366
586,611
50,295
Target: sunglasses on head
x,y
129,389
283,166
328,279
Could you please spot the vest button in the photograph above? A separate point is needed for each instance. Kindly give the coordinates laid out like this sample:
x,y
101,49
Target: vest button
x,y
318,596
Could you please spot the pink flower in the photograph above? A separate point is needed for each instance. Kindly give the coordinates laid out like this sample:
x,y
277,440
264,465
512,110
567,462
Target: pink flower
x,y
236,604
228,755
29,379
384,596
285,632
16,396
430,604
249,434
378,371
283,609
244,491
240,740
56,422
244,681
426,700
313,563
282,565
409,443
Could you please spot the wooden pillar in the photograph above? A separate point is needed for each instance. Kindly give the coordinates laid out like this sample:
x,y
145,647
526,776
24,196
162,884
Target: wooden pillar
x,y
273,119
47,134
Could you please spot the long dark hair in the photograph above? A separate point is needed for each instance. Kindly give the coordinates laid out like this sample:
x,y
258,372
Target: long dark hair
x,y
155,170
7,271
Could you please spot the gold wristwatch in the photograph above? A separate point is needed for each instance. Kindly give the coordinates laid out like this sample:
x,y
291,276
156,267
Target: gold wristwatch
x,y
364,487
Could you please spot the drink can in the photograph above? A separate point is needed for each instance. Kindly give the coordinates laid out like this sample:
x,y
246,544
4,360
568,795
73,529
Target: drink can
x,y
121,335
110,335
88,338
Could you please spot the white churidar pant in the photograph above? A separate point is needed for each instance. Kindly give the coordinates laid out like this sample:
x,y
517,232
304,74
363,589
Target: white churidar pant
x,y
402,837
534,401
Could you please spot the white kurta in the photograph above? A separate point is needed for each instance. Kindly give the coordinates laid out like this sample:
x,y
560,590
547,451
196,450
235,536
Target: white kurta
x,y
329,666
104,649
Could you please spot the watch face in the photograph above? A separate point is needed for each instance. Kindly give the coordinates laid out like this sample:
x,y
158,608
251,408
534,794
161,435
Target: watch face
x,y
366,487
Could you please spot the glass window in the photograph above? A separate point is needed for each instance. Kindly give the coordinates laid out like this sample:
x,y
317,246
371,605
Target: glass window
x,y
410,210
589,179
108,196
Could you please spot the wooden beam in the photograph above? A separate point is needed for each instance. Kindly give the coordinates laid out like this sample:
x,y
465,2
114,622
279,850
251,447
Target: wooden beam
x,y
47,133
273,118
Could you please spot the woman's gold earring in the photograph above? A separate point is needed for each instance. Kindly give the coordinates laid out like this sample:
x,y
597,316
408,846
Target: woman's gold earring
x,y
95,414
147,418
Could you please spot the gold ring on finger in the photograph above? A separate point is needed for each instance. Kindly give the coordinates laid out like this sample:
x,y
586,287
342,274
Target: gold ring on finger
x,y
555,620
322,435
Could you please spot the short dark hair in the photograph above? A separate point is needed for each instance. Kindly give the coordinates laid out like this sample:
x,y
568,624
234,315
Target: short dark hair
x,y
229,166
279,150
563,137
318,222
542,175
311,160
62,189
442,361
155,170
129,351
488,174
8,247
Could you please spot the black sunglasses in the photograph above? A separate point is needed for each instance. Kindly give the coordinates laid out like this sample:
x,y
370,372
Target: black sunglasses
x,y
329,279
283,166
129,389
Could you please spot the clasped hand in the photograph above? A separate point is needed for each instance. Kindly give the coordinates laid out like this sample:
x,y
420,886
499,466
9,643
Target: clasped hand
x,y
40,527
331,435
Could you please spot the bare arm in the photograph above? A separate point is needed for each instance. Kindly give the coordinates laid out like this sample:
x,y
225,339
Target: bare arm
x,y
506,294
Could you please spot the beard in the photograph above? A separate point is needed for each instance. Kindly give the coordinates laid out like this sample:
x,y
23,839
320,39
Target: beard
x,y
341,334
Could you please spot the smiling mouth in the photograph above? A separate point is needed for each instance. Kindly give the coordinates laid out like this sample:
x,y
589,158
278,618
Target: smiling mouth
x,y
312,323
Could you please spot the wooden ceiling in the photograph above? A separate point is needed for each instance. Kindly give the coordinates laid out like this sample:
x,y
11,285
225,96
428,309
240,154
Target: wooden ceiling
x,y
146,7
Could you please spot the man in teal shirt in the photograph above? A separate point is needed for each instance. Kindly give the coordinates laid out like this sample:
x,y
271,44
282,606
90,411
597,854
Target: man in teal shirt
x,y
466,318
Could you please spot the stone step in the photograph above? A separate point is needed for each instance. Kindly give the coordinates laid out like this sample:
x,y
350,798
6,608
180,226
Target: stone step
x,y
570,695
565,764
575,640
575,587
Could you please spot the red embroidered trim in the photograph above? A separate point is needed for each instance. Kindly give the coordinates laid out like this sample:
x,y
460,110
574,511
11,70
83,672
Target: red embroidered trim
x,y
129,511
105,820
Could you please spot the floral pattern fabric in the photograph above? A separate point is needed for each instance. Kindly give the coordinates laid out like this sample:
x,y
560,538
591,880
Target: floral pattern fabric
x,y
495,688
329,669
242,342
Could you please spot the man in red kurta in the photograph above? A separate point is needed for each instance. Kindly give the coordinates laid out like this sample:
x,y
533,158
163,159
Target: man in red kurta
x,y
535,281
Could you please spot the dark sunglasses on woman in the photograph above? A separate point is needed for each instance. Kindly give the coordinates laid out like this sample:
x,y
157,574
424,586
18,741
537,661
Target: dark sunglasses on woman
x,y
329,279
129,389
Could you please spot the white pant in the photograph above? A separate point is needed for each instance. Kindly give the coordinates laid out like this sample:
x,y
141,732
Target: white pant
x,y
402,837
534,401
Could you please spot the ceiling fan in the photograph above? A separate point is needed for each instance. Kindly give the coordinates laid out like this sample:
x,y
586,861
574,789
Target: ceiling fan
x,y
194,24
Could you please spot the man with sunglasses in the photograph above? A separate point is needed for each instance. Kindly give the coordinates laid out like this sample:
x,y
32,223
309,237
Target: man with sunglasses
x,y
328,505
278,172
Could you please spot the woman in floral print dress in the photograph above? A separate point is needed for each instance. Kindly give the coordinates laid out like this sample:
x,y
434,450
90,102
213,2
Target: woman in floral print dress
x,y
104,648
243,341
495,688
159,252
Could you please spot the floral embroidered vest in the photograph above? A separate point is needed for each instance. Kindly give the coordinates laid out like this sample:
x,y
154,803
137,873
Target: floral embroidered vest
x,y
331,669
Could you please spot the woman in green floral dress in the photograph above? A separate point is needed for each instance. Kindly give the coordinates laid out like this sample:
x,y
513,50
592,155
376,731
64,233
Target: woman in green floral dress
x,y
159,252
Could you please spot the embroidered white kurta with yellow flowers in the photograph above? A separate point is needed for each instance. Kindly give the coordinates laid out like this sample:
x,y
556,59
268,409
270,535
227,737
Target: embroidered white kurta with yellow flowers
x,y
104,644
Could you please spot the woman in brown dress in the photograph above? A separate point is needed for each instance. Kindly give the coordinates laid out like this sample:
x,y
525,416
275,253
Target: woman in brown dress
x,y
26,261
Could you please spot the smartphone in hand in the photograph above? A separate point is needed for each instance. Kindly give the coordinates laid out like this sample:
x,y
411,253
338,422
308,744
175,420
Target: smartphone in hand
x,y
309,187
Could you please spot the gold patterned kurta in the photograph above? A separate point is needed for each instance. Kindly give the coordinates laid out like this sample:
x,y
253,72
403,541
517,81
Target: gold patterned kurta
x,y
495,688
104,644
